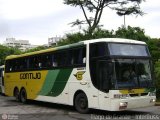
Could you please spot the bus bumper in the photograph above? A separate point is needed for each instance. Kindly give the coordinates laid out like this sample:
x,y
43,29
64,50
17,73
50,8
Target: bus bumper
x,y
131,103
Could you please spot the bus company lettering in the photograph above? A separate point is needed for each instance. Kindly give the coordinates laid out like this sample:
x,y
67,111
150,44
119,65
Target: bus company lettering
x,y
30,75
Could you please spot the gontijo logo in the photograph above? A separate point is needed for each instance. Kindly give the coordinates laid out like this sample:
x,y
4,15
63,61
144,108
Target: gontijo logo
x,y
36,75
79,75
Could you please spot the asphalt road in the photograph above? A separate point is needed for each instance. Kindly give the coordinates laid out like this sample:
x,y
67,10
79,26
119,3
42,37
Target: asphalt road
x,y
35,110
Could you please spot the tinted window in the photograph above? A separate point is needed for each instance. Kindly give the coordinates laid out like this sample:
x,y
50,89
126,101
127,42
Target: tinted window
x,y
128,49
78,56
97,49
0,72
34,62
65,58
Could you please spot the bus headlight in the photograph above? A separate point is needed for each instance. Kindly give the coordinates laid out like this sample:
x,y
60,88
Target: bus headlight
x,y
121,96
152,100
152,94
123,105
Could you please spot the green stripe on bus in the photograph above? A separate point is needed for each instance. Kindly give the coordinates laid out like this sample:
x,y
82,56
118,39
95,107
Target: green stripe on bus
x,y
49,82
60,82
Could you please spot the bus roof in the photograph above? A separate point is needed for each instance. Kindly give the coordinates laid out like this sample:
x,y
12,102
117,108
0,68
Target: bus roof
x,y
45,51
114,40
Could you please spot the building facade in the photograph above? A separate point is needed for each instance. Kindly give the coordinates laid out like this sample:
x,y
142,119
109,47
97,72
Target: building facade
x,y
23,45
53,40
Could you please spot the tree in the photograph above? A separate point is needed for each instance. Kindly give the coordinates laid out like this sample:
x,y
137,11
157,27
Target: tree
x,y
5,51
76,37
129,32
157,75
36,49
77,22
72,38
122,7
154,47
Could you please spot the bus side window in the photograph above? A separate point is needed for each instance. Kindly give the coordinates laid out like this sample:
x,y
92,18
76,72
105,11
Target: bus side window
x,y
97,49
47,60
61,58
42,61
25,63
84,55
54,60
58,58
79,56
70,60
8,66
22,64
39,62
16,65
33,63
68,57
0,72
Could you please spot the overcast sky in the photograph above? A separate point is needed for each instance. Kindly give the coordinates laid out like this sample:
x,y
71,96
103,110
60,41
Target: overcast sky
x,y
37,20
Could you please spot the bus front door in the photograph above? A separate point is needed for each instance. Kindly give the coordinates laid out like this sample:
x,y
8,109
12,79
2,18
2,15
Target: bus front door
x,y
103,79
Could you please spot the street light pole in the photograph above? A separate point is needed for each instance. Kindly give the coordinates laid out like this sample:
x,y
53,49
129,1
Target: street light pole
x,y
124,21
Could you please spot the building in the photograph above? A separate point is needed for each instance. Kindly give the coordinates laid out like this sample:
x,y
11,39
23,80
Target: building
x,y
53,40
23,45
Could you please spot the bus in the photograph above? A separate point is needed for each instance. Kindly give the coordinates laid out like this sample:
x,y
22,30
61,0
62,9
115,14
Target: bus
x,y
112,74
2,79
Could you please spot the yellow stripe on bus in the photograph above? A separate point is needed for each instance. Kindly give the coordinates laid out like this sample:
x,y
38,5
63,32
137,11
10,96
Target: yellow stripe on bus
x,y
29,82
132,91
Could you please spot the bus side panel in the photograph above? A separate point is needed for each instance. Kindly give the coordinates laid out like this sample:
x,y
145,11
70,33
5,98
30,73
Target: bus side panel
x,y
82,85
31,81
55,87
10,83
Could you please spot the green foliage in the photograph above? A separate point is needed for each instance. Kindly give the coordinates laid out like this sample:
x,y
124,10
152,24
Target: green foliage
x,y
157,73
135,33
5,51
76,37
154,47
72,38
100,33
96,7
36,49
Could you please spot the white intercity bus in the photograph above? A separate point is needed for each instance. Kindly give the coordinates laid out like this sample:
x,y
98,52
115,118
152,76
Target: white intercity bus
x,y
109,74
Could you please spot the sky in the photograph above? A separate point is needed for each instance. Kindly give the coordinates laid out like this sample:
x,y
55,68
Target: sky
x,y
38,20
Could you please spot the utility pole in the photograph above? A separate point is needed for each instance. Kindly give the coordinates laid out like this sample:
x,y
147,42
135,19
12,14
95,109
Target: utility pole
x,y
124,21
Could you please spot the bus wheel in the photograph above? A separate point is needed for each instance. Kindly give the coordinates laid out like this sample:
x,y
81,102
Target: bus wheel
x,y
16,94
23,95
81,103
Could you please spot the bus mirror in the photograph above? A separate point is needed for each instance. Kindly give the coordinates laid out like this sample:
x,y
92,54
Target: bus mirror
x,y
84,60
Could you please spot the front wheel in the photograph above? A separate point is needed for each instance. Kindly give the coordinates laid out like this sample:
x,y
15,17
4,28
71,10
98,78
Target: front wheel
x,y
23,96
81,103
16,94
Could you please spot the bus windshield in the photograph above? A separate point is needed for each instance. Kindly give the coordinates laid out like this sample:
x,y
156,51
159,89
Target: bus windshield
x,y
128,49
133,73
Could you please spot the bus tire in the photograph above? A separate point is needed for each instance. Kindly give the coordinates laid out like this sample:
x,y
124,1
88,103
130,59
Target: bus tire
x,y
16,94
23,95
81,103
